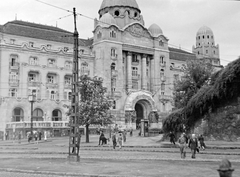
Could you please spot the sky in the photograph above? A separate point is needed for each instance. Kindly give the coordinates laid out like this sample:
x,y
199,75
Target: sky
x,y
179,19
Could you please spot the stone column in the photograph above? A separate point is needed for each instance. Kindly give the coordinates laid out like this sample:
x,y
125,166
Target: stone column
x,y
151,74
144,72
129,71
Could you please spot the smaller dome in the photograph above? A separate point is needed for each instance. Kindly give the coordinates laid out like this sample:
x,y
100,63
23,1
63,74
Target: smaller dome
x,y
155,30
107,20
204,30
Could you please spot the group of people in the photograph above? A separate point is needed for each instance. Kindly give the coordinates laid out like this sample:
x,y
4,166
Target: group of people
x,y
36,136
193,142
118,137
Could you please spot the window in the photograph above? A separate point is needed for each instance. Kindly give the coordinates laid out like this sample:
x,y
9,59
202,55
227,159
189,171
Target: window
x,y
81,51
32,77
99,35
18,115
114,104
208,36
68,80
51,62
113,34
37,115
31,44
53,95
13,92
162,86
85,69
198,52
134,71
203,37
50,79
117,13
214,52
69,96
128,12
206,51
33,61
113,66
13,76
13,60
161,59
68,65
135,14
113,52
134,58
56,115
161,43
114,81
162,74
198,37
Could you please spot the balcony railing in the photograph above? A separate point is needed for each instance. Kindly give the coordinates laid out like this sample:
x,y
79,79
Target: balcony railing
x,y
115,57
14,66
34,84
114,73
136,77
68,86
165,97
52,85
37,124
14,82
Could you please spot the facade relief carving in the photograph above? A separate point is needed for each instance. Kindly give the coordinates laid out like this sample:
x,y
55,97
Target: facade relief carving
x,y
138,31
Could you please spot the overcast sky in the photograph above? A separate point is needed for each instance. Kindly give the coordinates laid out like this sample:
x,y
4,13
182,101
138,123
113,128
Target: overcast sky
x,y
179,19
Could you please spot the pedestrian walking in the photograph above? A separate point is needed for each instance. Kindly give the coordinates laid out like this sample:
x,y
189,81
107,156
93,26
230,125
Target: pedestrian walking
x,y
120,140
182,145
101,138
19,137
131,132
201,142
124,136
45,135
193,145
6,136
40,136
114,140
172,137
225,168
36,137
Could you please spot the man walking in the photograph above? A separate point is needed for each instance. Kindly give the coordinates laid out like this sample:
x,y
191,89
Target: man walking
x,y
114,140
182,144
193,145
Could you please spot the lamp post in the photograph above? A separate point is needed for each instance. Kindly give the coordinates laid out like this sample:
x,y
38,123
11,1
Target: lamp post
x,y
32,99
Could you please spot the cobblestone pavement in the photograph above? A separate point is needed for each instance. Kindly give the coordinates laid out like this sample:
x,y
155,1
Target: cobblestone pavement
x,y
17,174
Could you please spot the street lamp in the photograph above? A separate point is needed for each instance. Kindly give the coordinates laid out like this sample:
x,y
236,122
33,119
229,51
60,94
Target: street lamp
x,y
32,99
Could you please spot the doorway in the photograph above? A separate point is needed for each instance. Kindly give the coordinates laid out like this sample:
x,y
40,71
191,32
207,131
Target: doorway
x,y
139,115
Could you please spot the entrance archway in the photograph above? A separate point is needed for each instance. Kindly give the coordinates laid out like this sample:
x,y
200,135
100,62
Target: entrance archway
x,y
139,115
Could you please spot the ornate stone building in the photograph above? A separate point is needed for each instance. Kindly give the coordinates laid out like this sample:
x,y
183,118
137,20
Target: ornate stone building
x,y
137,66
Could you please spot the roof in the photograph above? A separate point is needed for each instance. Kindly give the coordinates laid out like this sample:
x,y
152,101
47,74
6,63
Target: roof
x,y
113,3
204,30
39,31
179,54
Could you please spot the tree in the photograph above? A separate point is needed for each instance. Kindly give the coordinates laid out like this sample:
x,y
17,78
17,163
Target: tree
x,y
93,106
196,74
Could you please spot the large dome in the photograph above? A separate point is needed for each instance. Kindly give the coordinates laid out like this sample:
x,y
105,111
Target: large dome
x,y
107,20
113,3
155,30
204,30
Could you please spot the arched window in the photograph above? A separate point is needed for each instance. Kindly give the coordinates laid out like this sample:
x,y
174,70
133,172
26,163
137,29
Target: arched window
x,y
84,69
113,34
37,115
18,115
99,35
52,95
113,66
56,115
163,87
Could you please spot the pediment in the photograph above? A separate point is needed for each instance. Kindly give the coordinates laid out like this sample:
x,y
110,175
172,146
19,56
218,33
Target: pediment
x,y
137,30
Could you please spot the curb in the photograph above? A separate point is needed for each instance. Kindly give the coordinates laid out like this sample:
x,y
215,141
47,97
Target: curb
x,y
56,173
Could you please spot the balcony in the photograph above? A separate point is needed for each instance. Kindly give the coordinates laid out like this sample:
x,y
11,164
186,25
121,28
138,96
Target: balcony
x,y
67,86
114,73
117,94
52,85
85,72
14,82
13,66
163,64
115,57
165,97
37,124
34,84
136,77
135,63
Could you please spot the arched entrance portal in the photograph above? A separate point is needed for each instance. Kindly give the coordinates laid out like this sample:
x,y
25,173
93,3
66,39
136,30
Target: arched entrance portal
x,y
139,115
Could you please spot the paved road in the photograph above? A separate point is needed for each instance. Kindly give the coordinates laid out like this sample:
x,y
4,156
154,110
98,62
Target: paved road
x,y
17,174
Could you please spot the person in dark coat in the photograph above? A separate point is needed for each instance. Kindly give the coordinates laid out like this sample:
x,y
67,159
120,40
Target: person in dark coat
x,y
40,136
114,140
201,141
193,145
172,138
101,138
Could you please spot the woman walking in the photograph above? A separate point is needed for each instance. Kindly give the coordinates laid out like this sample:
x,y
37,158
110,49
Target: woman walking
x,y
120,140
183,145
193,145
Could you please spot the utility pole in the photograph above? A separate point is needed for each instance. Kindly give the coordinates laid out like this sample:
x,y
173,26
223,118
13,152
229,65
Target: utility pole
x,y
74,137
